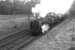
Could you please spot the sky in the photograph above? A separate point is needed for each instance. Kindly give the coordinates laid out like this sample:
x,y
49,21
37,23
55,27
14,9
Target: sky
x,y
56,6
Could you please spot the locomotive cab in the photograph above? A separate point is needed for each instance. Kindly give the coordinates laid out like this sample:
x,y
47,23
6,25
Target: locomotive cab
x,y
35,28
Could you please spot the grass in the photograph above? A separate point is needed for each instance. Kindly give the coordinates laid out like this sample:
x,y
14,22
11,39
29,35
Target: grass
x,y
10,24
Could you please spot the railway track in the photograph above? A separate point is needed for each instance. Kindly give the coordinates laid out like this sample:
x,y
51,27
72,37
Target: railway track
x,y
15,41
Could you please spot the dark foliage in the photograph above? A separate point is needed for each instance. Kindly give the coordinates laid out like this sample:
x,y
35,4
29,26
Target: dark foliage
x,y
8,8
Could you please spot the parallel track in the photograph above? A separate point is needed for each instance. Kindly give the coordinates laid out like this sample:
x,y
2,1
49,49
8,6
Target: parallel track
x,y
15,41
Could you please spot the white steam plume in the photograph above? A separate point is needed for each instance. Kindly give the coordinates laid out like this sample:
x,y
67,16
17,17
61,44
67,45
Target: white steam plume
x,y
57,6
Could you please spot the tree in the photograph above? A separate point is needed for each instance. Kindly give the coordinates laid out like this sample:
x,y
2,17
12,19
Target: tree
x,y
17,7
72,9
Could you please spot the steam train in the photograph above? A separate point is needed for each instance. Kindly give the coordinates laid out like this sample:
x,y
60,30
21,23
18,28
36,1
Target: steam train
x,y
41,26
8,8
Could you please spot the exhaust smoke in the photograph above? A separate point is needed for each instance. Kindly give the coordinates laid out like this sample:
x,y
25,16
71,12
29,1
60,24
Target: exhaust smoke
x,y
56,6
